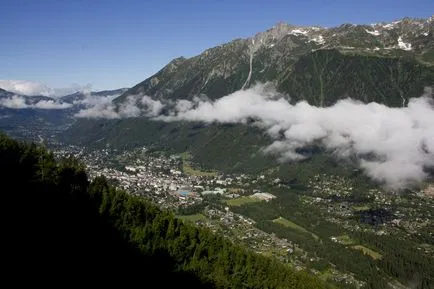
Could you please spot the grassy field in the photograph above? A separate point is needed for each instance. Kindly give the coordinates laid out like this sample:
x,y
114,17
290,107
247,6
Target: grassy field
x,y
372,253
345,240
427,246
192,218
188,169
361,208
326,274
292,225
185,156
275,252
241,201
235,190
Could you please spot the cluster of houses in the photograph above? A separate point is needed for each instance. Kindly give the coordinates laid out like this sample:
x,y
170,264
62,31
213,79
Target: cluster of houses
x,y
323,185
159,177
239,228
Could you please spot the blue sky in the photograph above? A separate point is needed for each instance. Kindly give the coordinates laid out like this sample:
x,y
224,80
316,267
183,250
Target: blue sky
x,y
112,44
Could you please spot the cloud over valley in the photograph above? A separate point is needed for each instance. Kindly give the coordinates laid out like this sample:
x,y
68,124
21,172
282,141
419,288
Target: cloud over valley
x,y
32,88
394,146
20,102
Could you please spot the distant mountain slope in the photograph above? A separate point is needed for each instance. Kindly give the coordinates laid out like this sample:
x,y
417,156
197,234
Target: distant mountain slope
x,y
79,96
320,77
5,93
29,117
297,59
325,76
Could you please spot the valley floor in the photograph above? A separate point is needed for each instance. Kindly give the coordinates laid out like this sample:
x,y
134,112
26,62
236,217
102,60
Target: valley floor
x,y
349,235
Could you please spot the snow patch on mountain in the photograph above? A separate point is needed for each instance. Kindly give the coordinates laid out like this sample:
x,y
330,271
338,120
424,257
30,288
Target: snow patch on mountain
x,y
318,39
388,26
403,45
298,32
375,32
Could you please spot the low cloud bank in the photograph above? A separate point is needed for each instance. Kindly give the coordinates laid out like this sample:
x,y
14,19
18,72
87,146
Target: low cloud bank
x,y
87,103
134,106
19,102
32,88
393,145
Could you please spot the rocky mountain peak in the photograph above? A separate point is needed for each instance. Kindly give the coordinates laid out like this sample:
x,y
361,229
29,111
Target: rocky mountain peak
x,y
405,34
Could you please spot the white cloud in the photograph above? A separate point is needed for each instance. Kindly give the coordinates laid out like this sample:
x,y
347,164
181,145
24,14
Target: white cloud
x,y
106,110
400,139
32,88
152,107
98,107
19,102
133,106
51,104
15,102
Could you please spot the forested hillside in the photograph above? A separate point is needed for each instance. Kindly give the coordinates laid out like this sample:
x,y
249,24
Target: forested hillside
x,y
60,228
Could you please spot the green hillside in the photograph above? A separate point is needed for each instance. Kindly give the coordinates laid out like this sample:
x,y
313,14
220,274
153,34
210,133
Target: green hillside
x,y
325,76
61,226
321,77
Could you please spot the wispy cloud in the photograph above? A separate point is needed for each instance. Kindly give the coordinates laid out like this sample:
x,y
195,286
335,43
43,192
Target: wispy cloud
x,y
19,102
32,88
134,106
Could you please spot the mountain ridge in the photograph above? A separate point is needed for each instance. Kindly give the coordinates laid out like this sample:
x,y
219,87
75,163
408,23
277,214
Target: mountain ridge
x,y
223,69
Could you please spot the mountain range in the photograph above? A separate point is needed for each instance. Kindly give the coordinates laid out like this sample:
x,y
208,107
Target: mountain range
x,y
316,64
386,63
